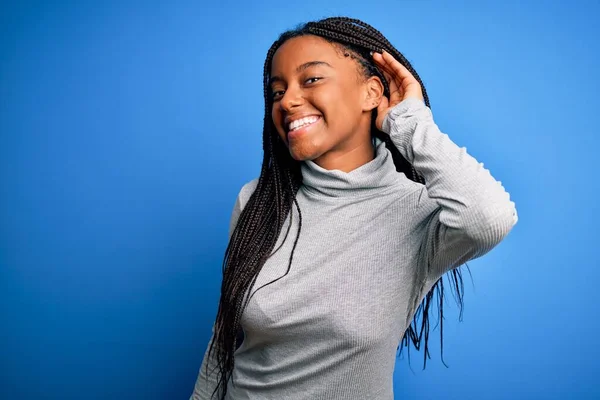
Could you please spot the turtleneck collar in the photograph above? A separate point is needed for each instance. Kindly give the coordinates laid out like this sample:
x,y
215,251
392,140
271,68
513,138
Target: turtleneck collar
x,y
372,178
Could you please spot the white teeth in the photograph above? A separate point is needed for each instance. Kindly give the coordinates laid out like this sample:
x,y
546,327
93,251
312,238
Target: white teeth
x,y
299,123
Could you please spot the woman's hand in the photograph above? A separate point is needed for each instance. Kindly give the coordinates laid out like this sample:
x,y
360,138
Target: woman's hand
x,y
401,82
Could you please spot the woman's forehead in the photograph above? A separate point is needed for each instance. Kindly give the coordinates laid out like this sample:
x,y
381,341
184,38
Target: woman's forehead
x,y
304,49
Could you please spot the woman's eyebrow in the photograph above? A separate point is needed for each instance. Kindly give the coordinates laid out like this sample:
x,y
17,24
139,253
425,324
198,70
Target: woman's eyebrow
x,y
300,68
311,64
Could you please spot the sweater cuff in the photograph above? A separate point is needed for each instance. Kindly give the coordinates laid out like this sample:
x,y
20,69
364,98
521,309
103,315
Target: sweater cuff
x,y
401,121
409,106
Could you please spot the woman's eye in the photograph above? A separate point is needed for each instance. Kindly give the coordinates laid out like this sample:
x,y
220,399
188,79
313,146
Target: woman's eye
x,y
277,94
312,80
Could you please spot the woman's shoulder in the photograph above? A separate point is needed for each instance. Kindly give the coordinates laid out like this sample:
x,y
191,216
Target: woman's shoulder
x,y
246,191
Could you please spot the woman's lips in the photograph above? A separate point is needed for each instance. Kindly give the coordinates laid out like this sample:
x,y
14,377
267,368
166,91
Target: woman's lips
x,y
303,130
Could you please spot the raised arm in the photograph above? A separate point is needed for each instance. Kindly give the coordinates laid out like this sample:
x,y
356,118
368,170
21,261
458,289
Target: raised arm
x,y
470,210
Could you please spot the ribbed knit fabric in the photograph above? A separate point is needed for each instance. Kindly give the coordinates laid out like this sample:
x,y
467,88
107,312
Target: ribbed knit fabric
x,y
372,245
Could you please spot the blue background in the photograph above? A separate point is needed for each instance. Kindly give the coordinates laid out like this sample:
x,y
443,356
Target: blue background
x,y
127,130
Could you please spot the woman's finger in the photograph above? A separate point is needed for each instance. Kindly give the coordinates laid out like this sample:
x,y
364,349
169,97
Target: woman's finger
x,y
400,70
392,85
387,77
390,74
409,85
401,82
395,93
382,64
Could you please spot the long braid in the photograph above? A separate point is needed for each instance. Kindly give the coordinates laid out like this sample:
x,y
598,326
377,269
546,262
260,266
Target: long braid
x,y
261,221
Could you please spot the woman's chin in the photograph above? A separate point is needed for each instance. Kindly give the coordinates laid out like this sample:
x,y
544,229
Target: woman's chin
x,y
304,154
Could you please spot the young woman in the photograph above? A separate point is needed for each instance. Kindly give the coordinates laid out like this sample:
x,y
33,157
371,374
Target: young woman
x,y
361,206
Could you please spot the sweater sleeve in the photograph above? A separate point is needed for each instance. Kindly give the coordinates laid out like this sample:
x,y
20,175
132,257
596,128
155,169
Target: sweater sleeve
x,y
470,212
207,382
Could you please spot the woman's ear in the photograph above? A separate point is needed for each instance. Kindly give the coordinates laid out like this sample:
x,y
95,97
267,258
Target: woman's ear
x,y
373,93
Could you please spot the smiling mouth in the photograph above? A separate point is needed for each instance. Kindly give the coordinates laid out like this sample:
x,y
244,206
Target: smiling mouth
x,y
302,125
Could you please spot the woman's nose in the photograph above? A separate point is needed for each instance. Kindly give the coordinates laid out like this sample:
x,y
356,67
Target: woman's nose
x,y
292,98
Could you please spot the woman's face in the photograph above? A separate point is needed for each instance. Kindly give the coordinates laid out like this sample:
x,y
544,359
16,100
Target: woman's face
x,y
321,102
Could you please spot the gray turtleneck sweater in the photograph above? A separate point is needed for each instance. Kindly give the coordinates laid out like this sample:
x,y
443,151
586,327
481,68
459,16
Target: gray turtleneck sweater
x,y
372,245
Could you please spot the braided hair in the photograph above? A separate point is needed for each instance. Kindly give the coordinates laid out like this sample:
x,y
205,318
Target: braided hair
x,y
260,223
